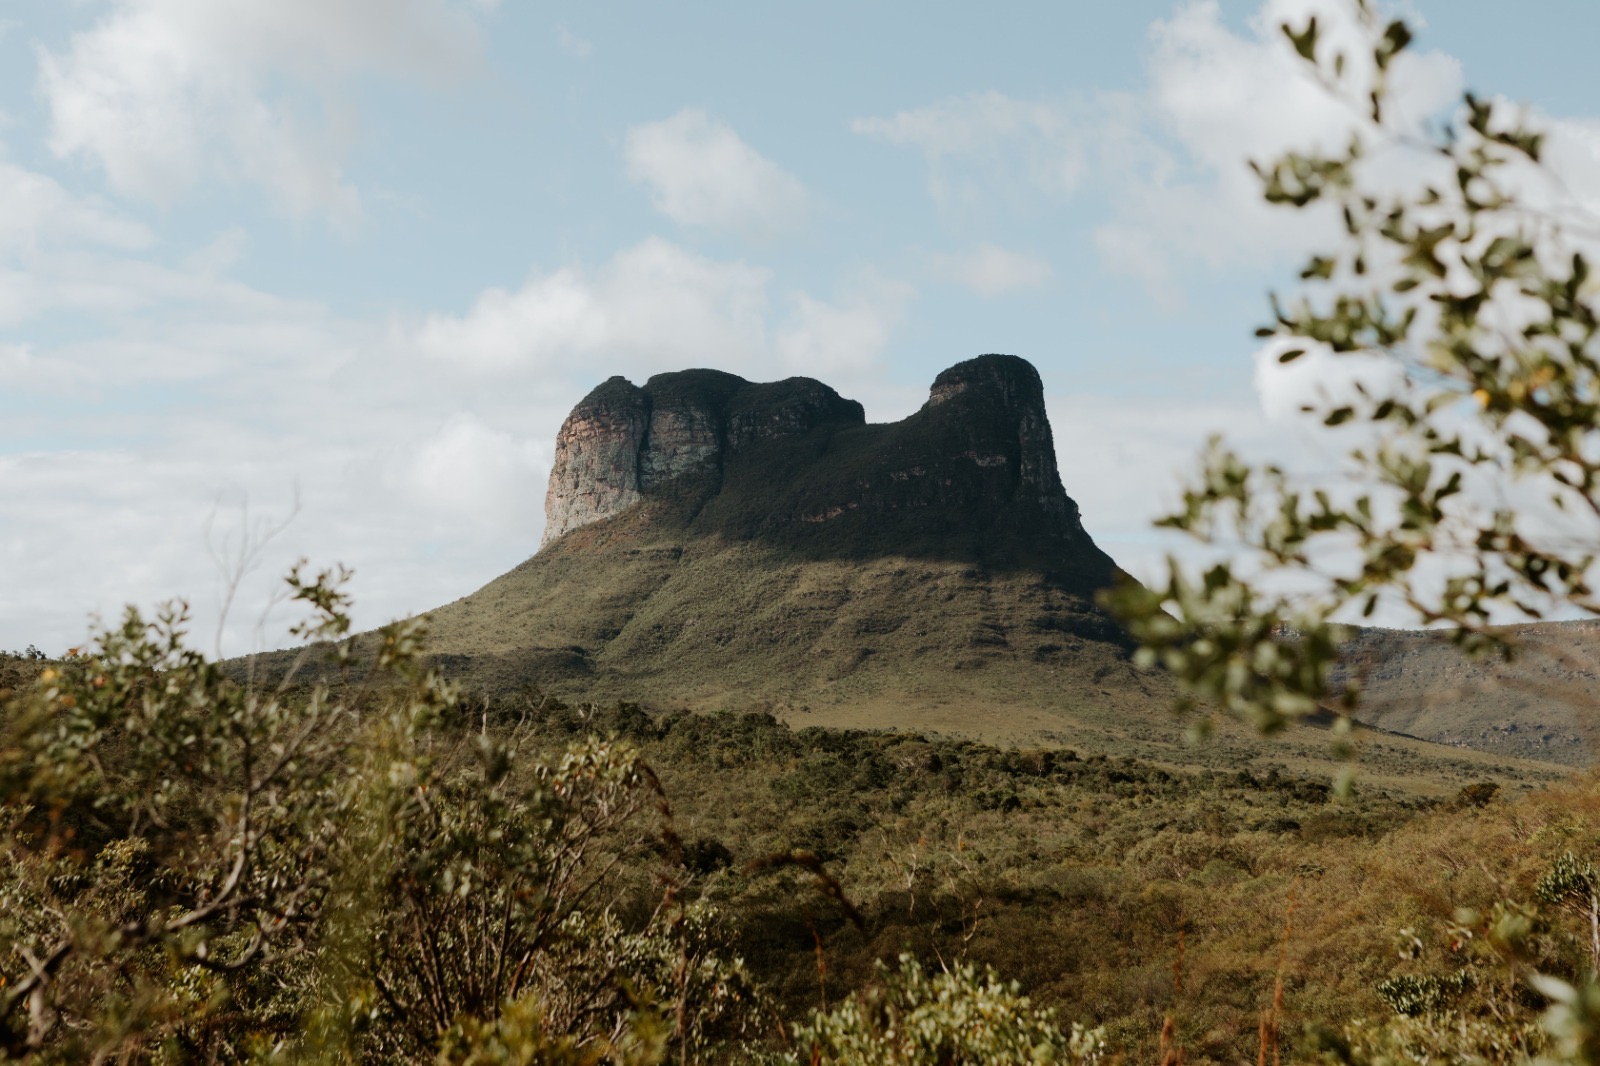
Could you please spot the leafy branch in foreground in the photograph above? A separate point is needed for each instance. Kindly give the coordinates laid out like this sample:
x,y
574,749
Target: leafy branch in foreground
x,y
1462,306
207,815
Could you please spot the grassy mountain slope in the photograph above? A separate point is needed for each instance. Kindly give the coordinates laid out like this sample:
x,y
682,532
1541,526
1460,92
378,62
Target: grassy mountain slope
x,y
928,574
623,610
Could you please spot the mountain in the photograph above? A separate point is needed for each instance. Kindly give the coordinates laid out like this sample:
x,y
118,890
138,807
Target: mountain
x,y
1540,704
713,543
971,477
708,538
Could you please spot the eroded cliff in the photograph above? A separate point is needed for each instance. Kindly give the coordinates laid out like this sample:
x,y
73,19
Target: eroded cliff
x,y
623,441
971,476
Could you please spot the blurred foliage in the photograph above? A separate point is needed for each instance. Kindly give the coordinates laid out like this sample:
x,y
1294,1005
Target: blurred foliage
x,y
950,1017
1462,304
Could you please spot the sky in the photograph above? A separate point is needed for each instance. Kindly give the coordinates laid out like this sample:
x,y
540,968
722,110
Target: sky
x,y
321,278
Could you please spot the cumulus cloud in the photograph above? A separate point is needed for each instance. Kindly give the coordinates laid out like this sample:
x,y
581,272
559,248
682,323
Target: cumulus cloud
x,y
473,470
39,211
1125,463
701,173
990,270
1169,158
657,306
270,401
655,300
160,94
843,337
1217,99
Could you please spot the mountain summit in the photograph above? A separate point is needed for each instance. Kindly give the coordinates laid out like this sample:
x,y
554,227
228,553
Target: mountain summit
x,y
970,477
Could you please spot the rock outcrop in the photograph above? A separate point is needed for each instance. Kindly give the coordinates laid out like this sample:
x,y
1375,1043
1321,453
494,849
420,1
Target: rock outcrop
x,y
971,476
623,441
1015,385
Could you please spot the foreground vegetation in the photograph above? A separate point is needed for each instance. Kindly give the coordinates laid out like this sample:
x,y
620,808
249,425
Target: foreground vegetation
x,y
384,869
376,867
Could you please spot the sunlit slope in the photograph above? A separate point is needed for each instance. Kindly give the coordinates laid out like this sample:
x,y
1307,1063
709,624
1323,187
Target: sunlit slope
x,y
1543,703
619,611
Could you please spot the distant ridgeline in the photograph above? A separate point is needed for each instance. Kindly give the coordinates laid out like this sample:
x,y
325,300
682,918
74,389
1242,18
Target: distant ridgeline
x,y
970,477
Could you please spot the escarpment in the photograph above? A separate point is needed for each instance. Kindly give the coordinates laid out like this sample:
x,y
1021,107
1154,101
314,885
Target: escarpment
x,y
972,476
622,440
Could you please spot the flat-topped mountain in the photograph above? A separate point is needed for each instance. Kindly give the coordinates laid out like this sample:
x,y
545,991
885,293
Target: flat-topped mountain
x,y
707,536
714,543
971,477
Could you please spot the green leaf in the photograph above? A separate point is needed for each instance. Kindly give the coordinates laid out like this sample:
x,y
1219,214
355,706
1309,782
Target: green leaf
x,y
1305,43
1396,37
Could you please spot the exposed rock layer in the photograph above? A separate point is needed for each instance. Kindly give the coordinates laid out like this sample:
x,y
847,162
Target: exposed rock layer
x,y
971,476
622,441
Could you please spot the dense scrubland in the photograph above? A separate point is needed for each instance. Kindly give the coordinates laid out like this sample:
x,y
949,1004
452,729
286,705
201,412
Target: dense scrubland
x,y
390,869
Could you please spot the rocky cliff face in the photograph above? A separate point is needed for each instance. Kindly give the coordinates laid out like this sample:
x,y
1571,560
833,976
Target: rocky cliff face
x,y
623,441
1001,400
972,475
596,471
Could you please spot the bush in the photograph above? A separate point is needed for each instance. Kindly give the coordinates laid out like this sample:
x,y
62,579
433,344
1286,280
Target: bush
x,y
951,1018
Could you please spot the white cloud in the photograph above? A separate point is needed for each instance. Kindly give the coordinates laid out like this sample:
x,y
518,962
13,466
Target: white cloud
x,y
990,270
1170,158
976,143
1217,99
1133,252
658,306
39,211
700,173
472,470
1124,461
655,300
278,399
160,94
220,255
1572,151
846,337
